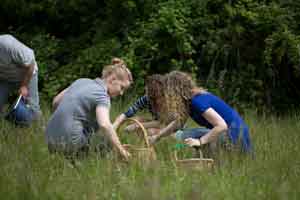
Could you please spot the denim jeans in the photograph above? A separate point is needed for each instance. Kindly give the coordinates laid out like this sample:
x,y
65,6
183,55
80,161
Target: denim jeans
x,y
197,133
224,140
6,88
191,133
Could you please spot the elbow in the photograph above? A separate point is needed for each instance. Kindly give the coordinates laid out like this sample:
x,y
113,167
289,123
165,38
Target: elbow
x,y
55,103
223,127
105,126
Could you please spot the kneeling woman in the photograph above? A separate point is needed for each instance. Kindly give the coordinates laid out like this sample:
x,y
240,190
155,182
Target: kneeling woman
x,y
153,83
221,121
84,107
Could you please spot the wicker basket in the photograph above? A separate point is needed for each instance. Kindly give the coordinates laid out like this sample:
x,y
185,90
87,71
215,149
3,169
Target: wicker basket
x,y
144,154
194,163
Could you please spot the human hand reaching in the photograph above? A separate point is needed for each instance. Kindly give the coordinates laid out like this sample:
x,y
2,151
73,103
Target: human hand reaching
x,y
153,139
125,154
193,142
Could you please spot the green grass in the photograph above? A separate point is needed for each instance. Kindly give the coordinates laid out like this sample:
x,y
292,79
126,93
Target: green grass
x,y
28,171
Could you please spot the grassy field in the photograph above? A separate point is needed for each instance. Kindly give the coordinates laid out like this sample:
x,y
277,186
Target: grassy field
x,y
28,171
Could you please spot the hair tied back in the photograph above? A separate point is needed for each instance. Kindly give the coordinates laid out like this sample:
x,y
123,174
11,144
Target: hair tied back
x,y
117,61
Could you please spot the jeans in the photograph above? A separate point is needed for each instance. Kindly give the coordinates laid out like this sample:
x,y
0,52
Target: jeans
x,y
191,133
6,88
225,139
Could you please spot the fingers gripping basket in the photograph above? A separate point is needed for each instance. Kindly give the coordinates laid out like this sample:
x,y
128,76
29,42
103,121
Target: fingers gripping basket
x,y
199,163
146,153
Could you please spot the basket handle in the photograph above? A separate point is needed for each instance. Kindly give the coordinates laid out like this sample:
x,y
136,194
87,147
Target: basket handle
x,y
180,146
141,126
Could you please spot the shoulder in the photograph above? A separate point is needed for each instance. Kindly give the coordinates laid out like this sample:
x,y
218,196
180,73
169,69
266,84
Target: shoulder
x,y
88,83
201,98
78,85
12,42
201,102
16,49
83,80
7,38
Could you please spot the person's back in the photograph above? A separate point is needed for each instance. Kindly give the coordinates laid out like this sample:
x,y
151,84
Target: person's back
x,y
201,102
13,53
19,72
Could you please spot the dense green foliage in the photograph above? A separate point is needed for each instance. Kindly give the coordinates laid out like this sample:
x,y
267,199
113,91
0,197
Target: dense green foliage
x,y
247,51
28,171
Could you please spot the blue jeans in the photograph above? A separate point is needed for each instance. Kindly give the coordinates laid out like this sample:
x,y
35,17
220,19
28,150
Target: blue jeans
x,y
33,100
243,141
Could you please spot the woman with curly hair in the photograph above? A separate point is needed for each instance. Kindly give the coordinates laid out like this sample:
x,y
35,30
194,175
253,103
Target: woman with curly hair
x,y
222,122
150,101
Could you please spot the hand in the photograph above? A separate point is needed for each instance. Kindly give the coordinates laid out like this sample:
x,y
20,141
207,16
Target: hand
x,y
153,131
153,139
23,91
130,128
192,142
125,154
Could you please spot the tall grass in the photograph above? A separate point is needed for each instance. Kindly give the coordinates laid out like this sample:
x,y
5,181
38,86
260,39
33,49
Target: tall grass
x,y
28,171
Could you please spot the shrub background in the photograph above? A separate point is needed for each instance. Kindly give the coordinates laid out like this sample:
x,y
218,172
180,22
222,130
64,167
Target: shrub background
x,y
246,51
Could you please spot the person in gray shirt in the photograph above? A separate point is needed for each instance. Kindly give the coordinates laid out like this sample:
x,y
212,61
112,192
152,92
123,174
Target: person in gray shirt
x,y
18,71
84,107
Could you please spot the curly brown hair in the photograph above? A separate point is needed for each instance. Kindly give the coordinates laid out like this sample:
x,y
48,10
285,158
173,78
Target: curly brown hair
x,y
178,92
170,96
154,88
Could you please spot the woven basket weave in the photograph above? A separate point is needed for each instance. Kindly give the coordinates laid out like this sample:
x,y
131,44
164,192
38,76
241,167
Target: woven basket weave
x,y
144,154
194,163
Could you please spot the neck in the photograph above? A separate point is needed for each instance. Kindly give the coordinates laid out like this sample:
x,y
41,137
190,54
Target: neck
x,y
197,90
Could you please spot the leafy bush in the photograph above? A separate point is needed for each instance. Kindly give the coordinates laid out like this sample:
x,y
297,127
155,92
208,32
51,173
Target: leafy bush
x,y
246,51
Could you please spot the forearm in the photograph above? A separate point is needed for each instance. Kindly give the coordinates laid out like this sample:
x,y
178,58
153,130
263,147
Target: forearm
x,y
168,130
212,135
113,137
119,120
151,124
28,75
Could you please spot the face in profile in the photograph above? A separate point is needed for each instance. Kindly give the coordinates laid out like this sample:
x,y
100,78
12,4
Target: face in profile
x,y
117,87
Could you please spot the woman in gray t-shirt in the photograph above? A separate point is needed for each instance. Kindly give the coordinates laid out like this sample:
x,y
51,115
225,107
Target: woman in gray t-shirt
x,y
83,107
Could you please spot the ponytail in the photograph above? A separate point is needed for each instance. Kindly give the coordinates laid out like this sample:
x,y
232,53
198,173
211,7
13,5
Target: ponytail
x,y
117,67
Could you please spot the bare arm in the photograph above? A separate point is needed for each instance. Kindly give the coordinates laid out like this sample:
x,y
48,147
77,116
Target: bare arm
x,y
27,77
219,126
151,124
57,99
168,130
119,120
103,120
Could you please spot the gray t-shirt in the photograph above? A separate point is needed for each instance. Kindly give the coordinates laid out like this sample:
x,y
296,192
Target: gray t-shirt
x,y
14,56
77,111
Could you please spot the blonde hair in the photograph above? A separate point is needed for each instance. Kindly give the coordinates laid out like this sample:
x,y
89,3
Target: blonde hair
x,y
119,68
